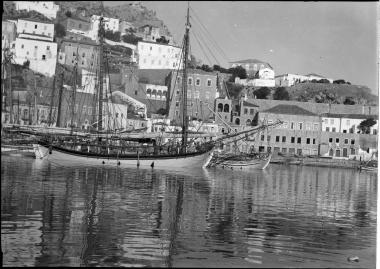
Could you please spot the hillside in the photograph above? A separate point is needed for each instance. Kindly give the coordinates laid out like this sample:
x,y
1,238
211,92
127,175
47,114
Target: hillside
x,y
134,12
316,91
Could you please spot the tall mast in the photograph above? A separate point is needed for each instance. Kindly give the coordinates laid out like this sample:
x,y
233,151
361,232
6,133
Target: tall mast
x,y
50,122
59,101
74,91
100,100
184,84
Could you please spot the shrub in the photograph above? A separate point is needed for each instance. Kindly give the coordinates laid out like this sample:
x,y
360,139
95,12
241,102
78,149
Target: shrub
x,y
281,94
262,93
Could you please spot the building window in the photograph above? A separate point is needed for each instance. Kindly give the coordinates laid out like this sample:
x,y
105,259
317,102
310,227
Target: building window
x,y
337,140
283,150
277,138
298,140
177,103
346,141
292,125
316,126
307,140
198,82
262,137
344,131
300,125
22,46
313,141
330,140
251,112
331,121
35,26
44,57
135,92
352,151
209,82
47,47
190,81
292,139
333,129
284,139
327,129
245,111
268,138
352,141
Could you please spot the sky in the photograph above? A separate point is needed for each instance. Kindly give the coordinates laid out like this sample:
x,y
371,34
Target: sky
x,y
337,40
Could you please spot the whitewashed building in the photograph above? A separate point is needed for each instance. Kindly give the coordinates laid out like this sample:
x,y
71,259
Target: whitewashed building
x,y
346,123
287,80
42,55
110,24
35,29
153,55
263,78
48,8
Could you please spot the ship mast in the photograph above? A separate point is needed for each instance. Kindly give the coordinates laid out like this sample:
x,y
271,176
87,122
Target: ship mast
x,y
100,81
184,84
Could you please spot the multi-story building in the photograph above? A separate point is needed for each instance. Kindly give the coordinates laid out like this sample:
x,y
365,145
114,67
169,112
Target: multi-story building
x,y
201,91
223,109
90,82
149,33
246,114
110,24
152,55
299,134
42,55
263,78
76,23
8,33
251,66
35,29
346,123
87,53
48,8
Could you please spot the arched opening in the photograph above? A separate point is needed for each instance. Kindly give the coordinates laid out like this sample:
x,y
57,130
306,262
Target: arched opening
x,y
248,122
154,93
148,92
220,107
226,108
164,93
237,121
159,94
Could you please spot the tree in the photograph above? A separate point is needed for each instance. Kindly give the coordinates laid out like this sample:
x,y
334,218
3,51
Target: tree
x,y
162,40
237,72
68,14
131,39
206,68
349,101
193,63
262,93
339,81
281,94
59,30
323,81
365,125
26,64
162,111
114,36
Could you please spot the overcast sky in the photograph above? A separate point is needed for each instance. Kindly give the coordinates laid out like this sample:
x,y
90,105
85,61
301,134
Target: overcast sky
x,y
336,40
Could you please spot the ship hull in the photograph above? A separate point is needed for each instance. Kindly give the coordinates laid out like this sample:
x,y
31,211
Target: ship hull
x,y
64,158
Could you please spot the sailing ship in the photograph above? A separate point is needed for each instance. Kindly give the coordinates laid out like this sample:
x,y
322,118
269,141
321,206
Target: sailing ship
x,y
111,148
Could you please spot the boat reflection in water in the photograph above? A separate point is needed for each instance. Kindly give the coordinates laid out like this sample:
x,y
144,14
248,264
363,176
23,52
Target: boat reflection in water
x,y
94,216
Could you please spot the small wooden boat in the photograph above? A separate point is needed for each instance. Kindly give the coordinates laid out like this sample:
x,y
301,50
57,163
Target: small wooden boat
x,y
244,161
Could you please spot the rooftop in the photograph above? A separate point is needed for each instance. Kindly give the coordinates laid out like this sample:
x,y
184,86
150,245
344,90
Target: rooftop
x,y
36,20
315,75
245,103
349,116
152,42
289,110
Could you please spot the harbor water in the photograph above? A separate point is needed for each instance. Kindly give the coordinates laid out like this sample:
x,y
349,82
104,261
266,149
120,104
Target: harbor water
x,y
284,216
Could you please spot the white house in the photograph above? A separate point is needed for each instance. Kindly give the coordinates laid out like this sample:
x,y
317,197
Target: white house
x,y
346,123
153,55
48,9
263,78
41,54
287,80
110,24
30,28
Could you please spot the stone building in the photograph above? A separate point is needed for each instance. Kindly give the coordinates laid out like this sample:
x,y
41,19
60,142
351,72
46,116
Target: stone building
x,y
76,23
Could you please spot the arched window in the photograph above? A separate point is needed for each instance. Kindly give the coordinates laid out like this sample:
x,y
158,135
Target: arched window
x,y
220,107
237,121
159,94
148,92
164,93
248,123
154,93
226,108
